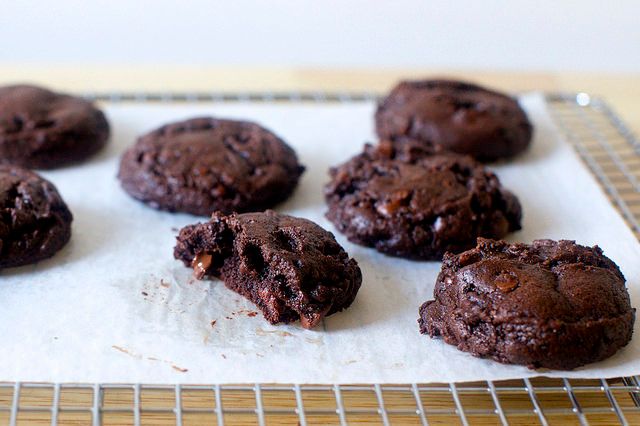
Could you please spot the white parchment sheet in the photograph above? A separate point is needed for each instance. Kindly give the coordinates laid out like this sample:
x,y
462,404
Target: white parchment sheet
x,y
114,306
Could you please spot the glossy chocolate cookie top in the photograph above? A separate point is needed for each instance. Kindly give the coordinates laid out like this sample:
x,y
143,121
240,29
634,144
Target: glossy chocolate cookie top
x,y
41,129
553,304
417,205
446,115
206,164
34,220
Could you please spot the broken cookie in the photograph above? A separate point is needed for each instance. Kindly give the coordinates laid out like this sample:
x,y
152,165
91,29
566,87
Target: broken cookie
x,y
290,267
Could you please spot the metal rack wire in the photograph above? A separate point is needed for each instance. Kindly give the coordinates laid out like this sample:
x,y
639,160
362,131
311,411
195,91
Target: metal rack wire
x,y
613,155
535,401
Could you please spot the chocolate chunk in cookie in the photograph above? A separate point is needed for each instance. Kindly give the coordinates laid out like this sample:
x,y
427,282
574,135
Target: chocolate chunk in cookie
x,y
446,115
203,165
412,204
34,220
289,267
41,129
550,304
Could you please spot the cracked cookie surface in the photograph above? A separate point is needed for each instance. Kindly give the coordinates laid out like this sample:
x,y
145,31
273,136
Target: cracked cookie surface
x,y
446,115
41,129
290,267
206,164
409,203
551,304
34,220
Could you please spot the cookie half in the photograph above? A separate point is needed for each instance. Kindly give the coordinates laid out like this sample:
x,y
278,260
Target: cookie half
x,y
203,165
34,220
552,304
289,267
412,204
41,129
447,115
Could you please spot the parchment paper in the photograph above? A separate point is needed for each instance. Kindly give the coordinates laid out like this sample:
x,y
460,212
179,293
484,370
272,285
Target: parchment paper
x,y
114,306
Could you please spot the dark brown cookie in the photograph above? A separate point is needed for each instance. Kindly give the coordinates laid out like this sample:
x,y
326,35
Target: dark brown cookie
x,y
202,165
447,115
41,129
34,220
290,267
416,205
550,304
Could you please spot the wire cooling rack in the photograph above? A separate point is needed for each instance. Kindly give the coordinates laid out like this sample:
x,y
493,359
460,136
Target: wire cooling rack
x,y
613,155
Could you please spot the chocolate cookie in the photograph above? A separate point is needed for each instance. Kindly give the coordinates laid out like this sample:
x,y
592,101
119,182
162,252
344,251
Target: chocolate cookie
x,y
413,204
41,129
34,220
447,115
206,164
550,304
290,267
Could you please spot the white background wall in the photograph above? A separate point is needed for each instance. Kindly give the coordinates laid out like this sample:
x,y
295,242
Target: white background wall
x,y
566,35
